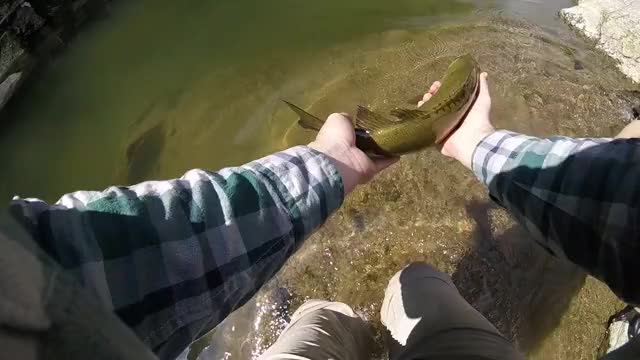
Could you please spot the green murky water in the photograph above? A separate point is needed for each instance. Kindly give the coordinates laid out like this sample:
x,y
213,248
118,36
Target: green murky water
x,y
160,87
207,75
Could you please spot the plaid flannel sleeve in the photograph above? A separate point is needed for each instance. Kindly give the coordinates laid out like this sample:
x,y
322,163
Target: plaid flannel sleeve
x,y
174,258
579,199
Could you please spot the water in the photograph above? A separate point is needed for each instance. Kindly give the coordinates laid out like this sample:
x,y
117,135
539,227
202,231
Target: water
x,y
211,72
158,88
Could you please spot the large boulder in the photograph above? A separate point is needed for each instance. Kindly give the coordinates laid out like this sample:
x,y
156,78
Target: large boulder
x,y
614,25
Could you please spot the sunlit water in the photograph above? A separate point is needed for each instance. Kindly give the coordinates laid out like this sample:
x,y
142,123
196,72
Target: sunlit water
x,y
161,87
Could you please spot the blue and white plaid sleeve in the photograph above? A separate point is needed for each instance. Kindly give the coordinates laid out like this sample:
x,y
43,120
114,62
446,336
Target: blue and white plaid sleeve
x,y
174,258
579,198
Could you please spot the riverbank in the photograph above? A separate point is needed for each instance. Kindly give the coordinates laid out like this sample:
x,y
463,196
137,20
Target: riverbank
x,y
31,31
614,26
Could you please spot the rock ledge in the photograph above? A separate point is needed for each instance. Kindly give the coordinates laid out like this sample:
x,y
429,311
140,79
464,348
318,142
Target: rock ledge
x,y
615,27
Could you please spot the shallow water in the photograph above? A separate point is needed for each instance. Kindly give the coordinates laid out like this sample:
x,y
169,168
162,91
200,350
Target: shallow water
x,y
157,89
427,208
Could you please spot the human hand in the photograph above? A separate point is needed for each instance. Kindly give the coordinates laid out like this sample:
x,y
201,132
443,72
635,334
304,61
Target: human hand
x,y
337,140
461,144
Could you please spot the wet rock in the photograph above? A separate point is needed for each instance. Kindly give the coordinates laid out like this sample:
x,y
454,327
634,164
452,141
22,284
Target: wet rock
x,y
11,51
614,26
7,8
14,64
21,20
25,23
32,30
8,87
630,99
57,12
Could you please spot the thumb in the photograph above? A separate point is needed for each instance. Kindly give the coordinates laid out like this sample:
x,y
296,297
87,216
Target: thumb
x,y
484,98
338,127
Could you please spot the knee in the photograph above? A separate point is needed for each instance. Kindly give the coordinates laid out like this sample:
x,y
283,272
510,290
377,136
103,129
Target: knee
x,y
421,271
315,306
415,278
632,130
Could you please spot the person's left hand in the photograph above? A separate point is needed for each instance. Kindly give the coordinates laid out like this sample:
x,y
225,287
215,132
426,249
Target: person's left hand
x,y
476,126
337,140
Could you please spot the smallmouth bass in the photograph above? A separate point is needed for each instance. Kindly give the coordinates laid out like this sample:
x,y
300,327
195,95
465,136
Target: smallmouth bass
x,y
411,130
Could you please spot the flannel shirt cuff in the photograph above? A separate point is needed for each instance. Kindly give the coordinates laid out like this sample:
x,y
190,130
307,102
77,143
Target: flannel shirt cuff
x,y
494,152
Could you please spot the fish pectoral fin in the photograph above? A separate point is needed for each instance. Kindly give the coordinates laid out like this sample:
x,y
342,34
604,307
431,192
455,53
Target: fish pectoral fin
x,y
306,121
369,120
406,114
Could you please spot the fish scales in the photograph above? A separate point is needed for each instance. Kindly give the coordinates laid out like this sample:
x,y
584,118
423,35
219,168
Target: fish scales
x,y
414,129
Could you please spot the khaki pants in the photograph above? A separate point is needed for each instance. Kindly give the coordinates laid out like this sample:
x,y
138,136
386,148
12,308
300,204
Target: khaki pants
x,y
423,312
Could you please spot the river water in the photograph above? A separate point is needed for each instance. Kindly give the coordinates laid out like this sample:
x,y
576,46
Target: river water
x,y
160,87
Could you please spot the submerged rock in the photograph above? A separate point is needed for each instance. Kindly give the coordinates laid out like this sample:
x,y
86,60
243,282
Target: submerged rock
x,y
614,26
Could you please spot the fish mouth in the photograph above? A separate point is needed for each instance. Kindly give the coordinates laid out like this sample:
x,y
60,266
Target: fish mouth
x,y
458,123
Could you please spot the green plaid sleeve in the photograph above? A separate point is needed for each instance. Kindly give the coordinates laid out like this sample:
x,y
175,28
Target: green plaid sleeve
x,y
579,199
174,258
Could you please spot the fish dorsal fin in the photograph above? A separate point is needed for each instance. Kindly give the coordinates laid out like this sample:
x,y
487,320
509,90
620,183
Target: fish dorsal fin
x,y
369,120
407,114
306,121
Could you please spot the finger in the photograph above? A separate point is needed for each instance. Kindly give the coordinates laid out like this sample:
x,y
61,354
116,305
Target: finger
x,y
435,86
425,98
383,163
484,98
339,126
338,120
432,90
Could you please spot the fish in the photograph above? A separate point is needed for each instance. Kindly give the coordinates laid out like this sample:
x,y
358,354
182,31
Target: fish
x,y
406,131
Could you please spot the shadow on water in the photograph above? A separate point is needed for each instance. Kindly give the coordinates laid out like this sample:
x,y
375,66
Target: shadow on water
x,y
517,285
143,154
146,140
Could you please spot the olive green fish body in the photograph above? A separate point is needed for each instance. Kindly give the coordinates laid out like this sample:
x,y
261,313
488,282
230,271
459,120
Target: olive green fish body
x,y
433,122
409,130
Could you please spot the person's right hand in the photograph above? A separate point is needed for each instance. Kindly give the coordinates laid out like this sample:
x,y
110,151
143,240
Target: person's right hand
x,y
337,140
474,127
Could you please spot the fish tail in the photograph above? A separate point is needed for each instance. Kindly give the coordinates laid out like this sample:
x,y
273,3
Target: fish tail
x,y
306,121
